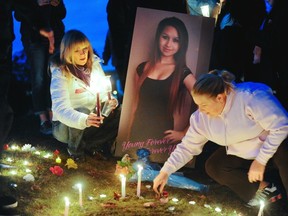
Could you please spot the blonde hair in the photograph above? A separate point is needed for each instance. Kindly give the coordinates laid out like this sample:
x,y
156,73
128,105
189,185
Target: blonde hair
x,y
70,41
213,83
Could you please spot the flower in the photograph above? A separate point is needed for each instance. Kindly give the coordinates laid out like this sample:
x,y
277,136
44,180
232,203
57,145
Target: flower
x,y
56,170
56,153
142,153
124,167
121,170
29,177
6,147
28,147
70,163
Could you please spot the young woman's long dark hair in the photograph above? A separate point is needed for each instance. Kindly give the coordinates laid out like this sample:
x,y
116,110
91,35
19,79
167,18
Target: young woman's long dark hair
x,y
177,91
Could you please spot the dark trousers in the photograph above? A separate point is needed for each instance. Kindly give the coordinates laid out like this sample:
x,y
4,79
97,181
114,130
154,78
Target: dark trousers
x,y
90,139
231,171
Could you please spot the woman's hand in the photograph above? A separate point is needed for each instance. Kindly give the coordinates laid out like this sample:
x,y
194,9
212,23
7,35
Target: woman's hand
x,y
159,182
94,120
256,172
174,136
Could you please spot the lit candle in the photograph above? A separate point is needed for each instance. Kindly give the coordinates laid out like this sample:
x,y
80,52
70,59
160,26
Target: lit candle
x,y
123,185
139,173
58,160
67,203
262,205
205,10
80,195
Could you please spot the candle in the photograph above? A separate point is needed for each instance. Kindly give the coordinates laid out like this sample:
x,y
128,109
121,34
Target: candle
x,y
123,185
58,160
260,213
205,10
67,203
80,195
109,95
139,173
98,105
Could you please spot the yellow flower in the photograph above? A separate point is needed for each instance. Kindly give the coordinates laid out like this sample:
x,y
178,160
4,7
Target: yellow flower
x,y
70,163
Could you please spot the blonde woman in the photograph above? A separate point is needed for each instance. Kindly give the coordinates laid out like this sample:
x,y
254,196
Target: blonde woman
x,y
76,73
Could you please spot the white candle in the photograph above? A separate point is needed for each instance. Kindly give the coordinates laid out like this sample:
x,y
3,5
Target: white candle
x,y
67,203
80,195
262,205
123,185
139,173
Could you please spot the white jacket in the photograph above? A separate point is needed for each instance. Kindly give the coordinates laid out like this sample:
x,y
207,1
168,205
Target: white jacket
x,y
67,94
252,125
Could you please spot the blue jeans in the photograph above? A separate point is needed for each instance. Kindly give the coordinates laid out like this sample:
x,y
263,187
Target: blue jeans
x,y
91,138
38,55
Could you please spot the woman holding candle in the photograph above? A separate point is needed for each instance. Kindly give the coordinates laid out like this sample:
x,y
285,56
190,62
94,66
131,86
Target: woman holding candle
x,y
162,86
77,92
249,123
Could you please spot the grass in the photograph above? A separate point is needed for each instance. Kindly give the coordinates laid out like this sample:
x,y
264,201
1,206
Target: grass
x,y
45,195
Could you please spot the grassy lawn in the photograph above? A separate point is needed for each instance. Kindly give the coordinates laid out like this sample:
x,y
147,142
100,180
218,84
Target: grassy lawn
x,y
45,195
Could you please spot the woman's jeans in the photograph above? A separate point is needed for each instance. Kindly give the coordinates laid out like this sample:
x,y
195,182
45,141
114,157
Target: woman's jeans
x,y
231,171
91,138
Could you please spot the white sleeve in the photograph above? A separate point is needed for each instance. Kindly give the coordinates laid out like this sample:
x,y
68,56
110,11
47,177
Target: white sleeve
x,y
269,113
191,145
61,106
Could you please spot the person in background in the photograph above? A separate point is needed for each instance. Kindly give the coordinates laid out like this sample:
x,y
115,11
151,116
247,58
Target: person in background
x,y
76,75
6,39
162,84
270,52
41,32
249,124
234,36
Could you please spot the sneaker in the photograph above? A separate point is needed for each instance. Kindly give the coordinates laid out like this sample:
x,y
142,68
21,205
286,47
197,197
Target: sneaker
x,y
8,202
269,194
76,157
46,128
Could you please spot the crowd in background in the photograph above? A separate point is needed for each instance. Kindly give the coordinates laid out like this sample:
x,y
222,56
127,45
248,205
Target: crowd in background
x,y
242,33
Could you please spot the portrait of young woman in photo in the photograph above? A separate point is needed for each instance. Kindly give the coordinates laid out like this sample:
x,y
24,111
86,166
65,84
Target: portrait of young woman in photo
x,y
162,84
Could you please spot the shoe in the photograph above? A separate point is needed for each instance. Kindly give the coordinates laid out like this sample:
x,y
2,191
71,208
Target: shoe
x,y
7,202
269,194
76,157
46,128
98,155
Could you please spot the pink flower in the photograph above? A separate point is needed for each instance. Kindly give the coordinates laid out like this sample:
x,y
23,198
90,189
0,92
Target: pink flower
x,y
56,152
56,170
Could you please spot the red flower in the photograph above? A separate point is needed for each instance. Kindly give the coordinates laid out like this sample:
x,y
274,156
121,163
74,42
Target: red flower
x,y
56,152
56,170
165,194
6,147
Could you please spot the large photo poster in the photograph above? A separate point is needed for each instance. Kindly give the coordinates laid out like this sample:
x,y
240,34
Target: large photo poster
x,y
168,51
